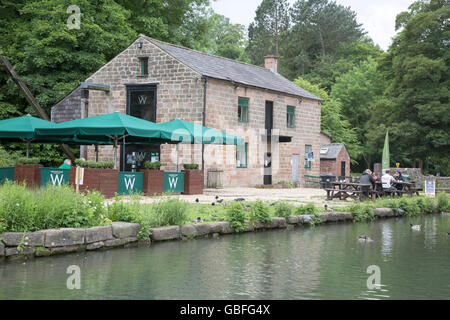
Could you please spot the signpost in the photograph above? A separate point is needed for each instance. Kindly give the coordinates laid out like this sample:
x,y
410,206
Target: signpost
x,y
131,182
174,182
54,176
430,187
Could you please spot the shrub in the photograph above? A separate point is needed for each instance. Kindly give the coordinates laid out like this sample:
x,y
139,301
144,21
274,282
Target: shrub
x,y
236,216
169,212
23,210
94,165
361,212
260,212
148,165
131,211
443,201
283,209
24,160
190,166
16,208
309,209
7,159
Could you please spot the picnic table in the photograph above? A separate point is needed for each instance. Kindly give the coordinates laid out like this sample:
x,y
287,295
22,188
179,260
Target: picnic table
x,y
358,191
345,190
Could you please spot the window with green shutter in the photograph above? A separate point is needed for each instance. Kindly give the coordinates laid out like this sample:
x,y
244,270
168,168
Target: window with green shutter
x,y
308,150
241,156
243,110
290,117
144,66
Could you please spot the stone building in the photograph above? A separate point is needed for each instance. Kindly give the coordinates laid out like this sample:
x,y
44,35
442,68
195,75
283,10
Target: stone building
x,y
325,138
161,82
334,159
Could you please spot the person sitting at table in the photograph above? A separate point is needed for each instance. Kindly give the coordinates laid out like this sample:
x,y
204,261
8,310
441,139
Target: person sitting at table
x,y
399,177
376,186
387,181
368,180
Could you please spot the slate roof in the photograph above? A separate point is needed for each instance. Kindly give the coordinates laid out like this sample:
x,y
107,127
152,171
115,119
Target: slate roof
x,y
230,70
333,151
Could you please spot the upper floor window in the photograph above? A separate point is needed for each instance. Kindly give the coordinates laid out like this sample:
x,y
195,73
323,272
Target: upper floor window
x,y
290,117
243,109
144,66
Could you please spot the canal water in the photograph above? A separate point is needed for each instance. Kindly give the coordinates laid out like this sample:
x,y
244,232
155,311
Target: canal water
x,y
325,262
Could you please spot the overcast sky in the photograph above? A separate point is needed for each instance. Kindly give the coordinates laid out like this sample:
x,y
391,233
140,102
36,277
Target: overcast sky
x,y
377,16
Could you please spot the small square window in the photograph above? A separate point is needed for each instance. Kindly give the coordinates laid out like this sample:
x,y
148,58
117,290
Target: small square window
x,y
243,110
144,66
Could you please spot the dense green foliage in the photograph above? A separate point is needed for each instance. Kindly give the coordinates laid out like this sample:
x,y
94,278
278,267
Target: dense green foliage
x,y
260,212
308,209
94,165
415,106
320,44
190,166
148,165
283,209
24,210
236,216
24,160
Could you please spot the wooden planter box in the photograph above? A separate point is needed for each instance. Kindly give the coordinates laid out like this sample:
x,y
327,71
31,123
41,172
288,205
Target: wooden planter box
x,y
193,182
28,173
106,181
153,182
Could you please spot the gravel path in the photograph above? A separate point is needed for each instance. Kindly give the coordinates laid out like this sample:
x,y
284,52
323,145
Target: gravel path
x,y
296,196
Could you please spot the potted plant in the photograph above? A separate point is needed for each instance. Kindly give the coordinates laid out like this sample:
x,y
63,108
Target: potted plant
x,y
100,176
28,170
193,179
153,178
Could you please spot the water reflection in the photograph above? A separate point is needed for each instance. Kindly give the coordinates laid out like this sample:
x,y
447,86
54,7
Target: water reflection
x,y
325,262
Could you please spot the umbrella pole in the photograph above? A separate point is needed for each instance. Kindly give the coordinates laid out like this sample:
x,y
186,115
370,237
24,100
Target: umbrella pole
x,y
123,153
115,153
28,148
178,157
96,153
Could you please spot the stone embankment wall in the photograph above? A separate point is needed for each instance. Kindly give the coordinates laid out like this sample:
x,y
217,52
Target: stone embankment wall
x,y
58,241
50,242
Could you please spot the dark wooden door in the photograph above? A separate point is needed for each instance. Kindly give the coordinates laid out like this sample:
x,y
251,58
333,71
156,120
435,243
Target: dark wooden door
x,y
268,155
343,173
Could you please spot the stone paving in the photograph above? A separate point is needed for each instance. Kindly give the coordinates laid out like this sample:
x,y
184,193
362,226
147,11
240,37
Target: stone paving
x,y
297,196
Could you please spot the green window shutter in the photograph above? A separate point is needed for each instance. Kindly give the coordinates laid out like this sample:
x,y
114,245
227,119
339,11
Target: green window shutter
x,y
243,106
241,156
144,66
308,149
290,117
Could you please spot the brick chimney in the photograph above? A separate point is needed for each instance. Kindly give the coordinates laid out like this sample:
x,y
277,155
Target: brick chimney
x,y
271,63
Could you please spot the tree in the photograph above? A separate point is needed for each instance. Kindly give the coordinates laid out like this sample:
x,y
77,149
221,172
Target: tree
x,y
357,90
265,32
332,120
417,68
319,30
229,39
182,22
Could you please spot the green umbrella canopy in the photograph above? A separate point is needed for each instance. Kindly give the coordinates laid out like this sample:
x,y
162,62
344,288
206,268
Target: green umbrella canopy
x,y
22,128
104,129
195,133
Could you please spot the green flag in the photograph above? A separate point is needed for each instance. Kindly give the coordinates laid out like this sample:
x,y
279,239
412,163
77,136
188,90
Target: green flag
x,y
386,163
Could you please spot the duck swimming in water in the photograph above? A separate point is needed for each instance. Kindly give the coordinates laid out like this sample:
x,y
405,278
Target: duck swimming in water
x,y
415,227
364,239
